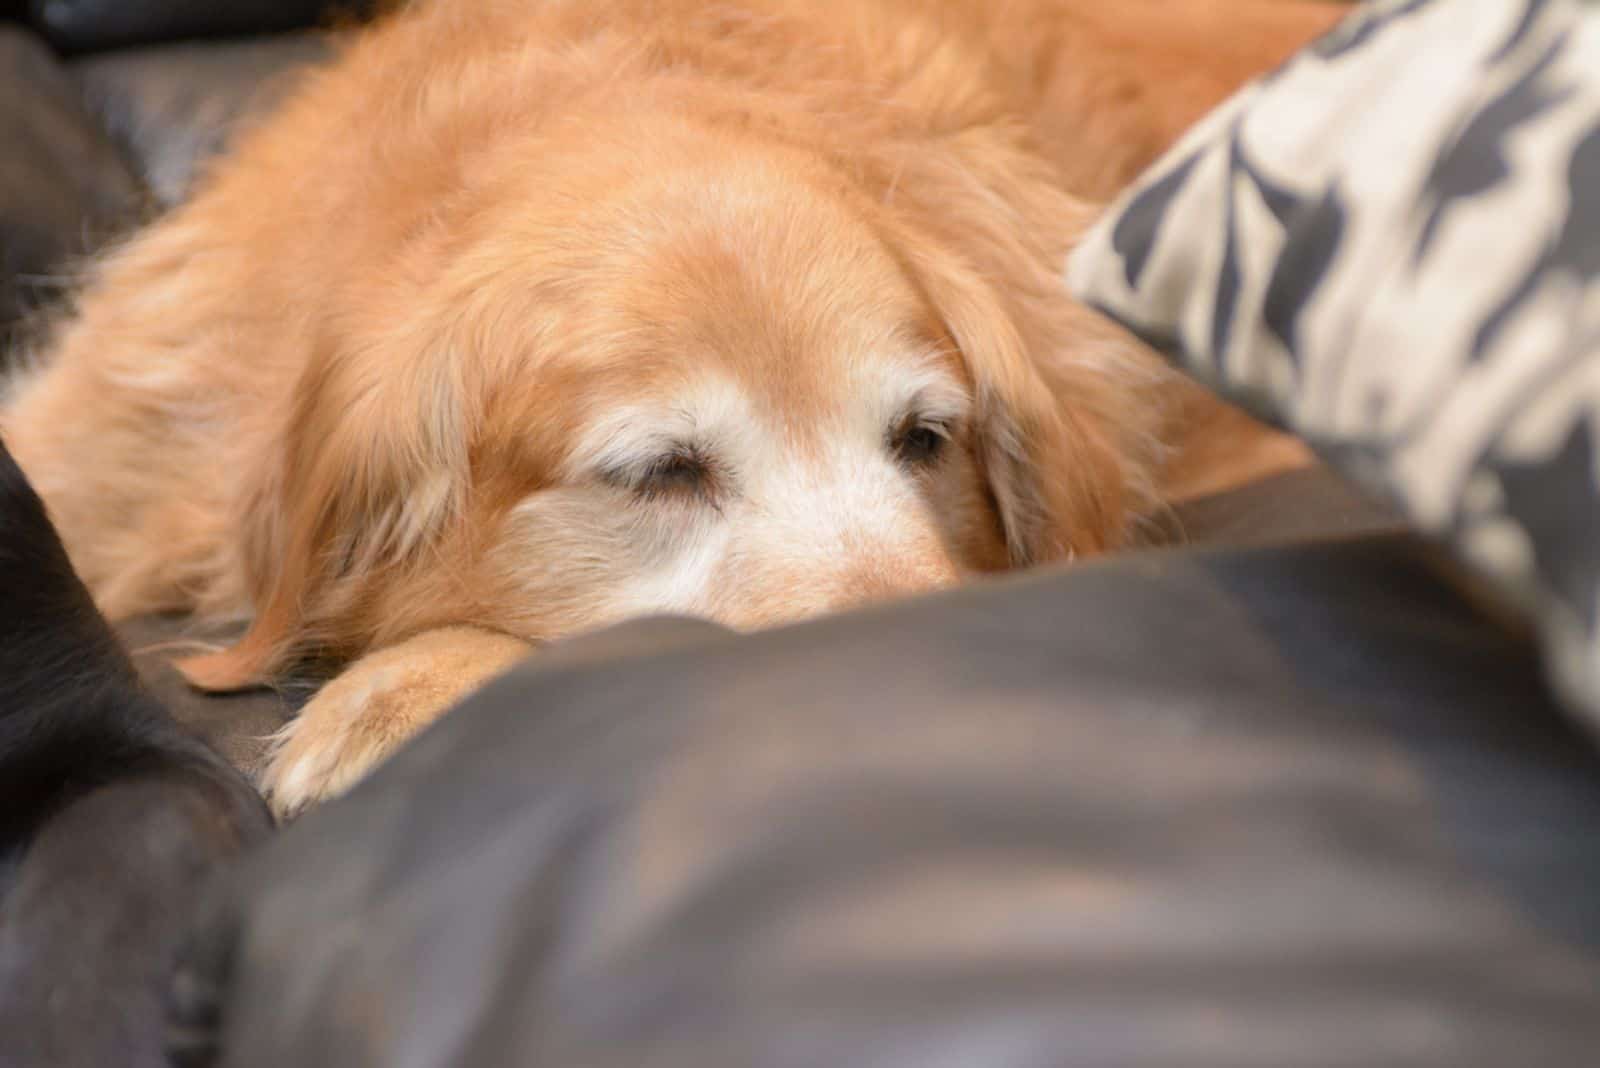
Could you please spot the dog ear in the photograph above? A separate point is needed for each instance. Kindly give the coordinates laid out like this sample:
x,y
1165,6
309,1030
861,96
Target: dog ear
x,y
1068,405
1061,478
1073,409
371,465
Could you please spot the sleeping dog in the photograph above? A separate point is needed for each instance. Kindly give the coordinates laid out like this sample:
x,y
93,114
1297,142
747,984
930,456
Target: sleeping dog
x,y
528,316
111,817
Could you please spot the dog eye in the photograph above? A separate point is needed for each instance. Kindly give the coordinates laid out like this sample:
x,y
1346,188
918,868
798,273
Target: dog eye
x,y
675,474
680,473
920,444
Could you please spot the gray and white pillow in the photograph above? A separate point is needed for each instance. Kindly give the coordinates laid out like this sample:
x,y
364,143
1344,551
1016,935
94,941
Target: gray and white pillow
x,y
1391,245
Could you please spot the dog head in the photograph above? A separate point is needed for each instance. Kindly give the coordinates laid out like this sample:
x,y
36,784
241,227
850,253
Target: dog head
x,y
680,367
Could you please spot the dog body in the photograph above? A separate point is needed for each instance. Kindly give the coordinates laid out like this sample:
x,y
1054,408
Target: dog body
x,y
530,316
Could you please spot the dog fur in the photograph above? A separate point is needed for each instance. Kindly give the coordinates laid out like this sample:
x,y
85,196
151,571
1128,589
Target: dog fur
x,y
529,316
111,818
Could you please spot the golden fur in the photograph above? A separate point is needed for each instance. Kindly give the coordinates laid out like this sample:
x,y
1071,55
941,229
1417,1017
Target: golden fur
x,y
528,315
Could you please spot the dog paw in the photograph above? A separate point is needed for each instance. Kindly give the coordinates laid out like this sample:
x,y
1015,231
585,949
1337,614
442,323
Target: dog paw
x,y
346,730
358,720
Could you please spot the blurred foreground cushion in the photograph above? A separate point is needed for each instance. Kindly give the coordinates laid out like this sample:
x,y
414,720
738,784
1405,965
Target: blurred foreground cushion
x,y
1298,806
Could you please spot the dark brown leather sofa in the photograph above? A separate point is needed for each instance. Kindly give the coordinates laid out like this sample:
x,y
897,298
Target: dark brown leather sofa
x,y
1278,795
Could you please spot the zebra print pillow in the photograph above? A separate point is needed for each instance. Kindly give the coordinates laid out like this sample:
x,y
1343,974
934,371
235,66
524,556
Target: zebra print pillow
x,y
1391,245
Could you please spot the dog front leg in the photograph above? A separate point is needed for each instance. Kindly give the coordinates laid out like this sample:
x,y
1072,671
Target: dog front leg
x,y
371,708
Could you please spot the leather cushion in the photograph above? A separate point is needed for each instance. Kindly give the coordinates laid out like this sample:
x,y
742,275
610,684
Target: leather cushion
x,y
171,108
64,187
85,25
1297,807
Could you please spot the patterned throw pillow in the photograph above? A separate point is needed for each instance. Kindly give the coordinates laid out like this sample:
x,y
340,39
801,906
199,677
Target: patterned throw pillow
x,y
1391,245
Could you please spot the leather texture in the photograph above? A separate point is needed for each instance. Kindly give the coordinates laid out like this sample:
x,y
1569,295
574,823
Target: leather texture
x,y
1284,807
171,108
86,25
101,144
64,187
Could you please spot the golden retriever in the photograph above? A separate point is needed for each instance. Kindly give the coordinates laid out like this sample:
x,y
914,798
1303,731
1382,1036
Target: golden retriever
x,y
530,315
